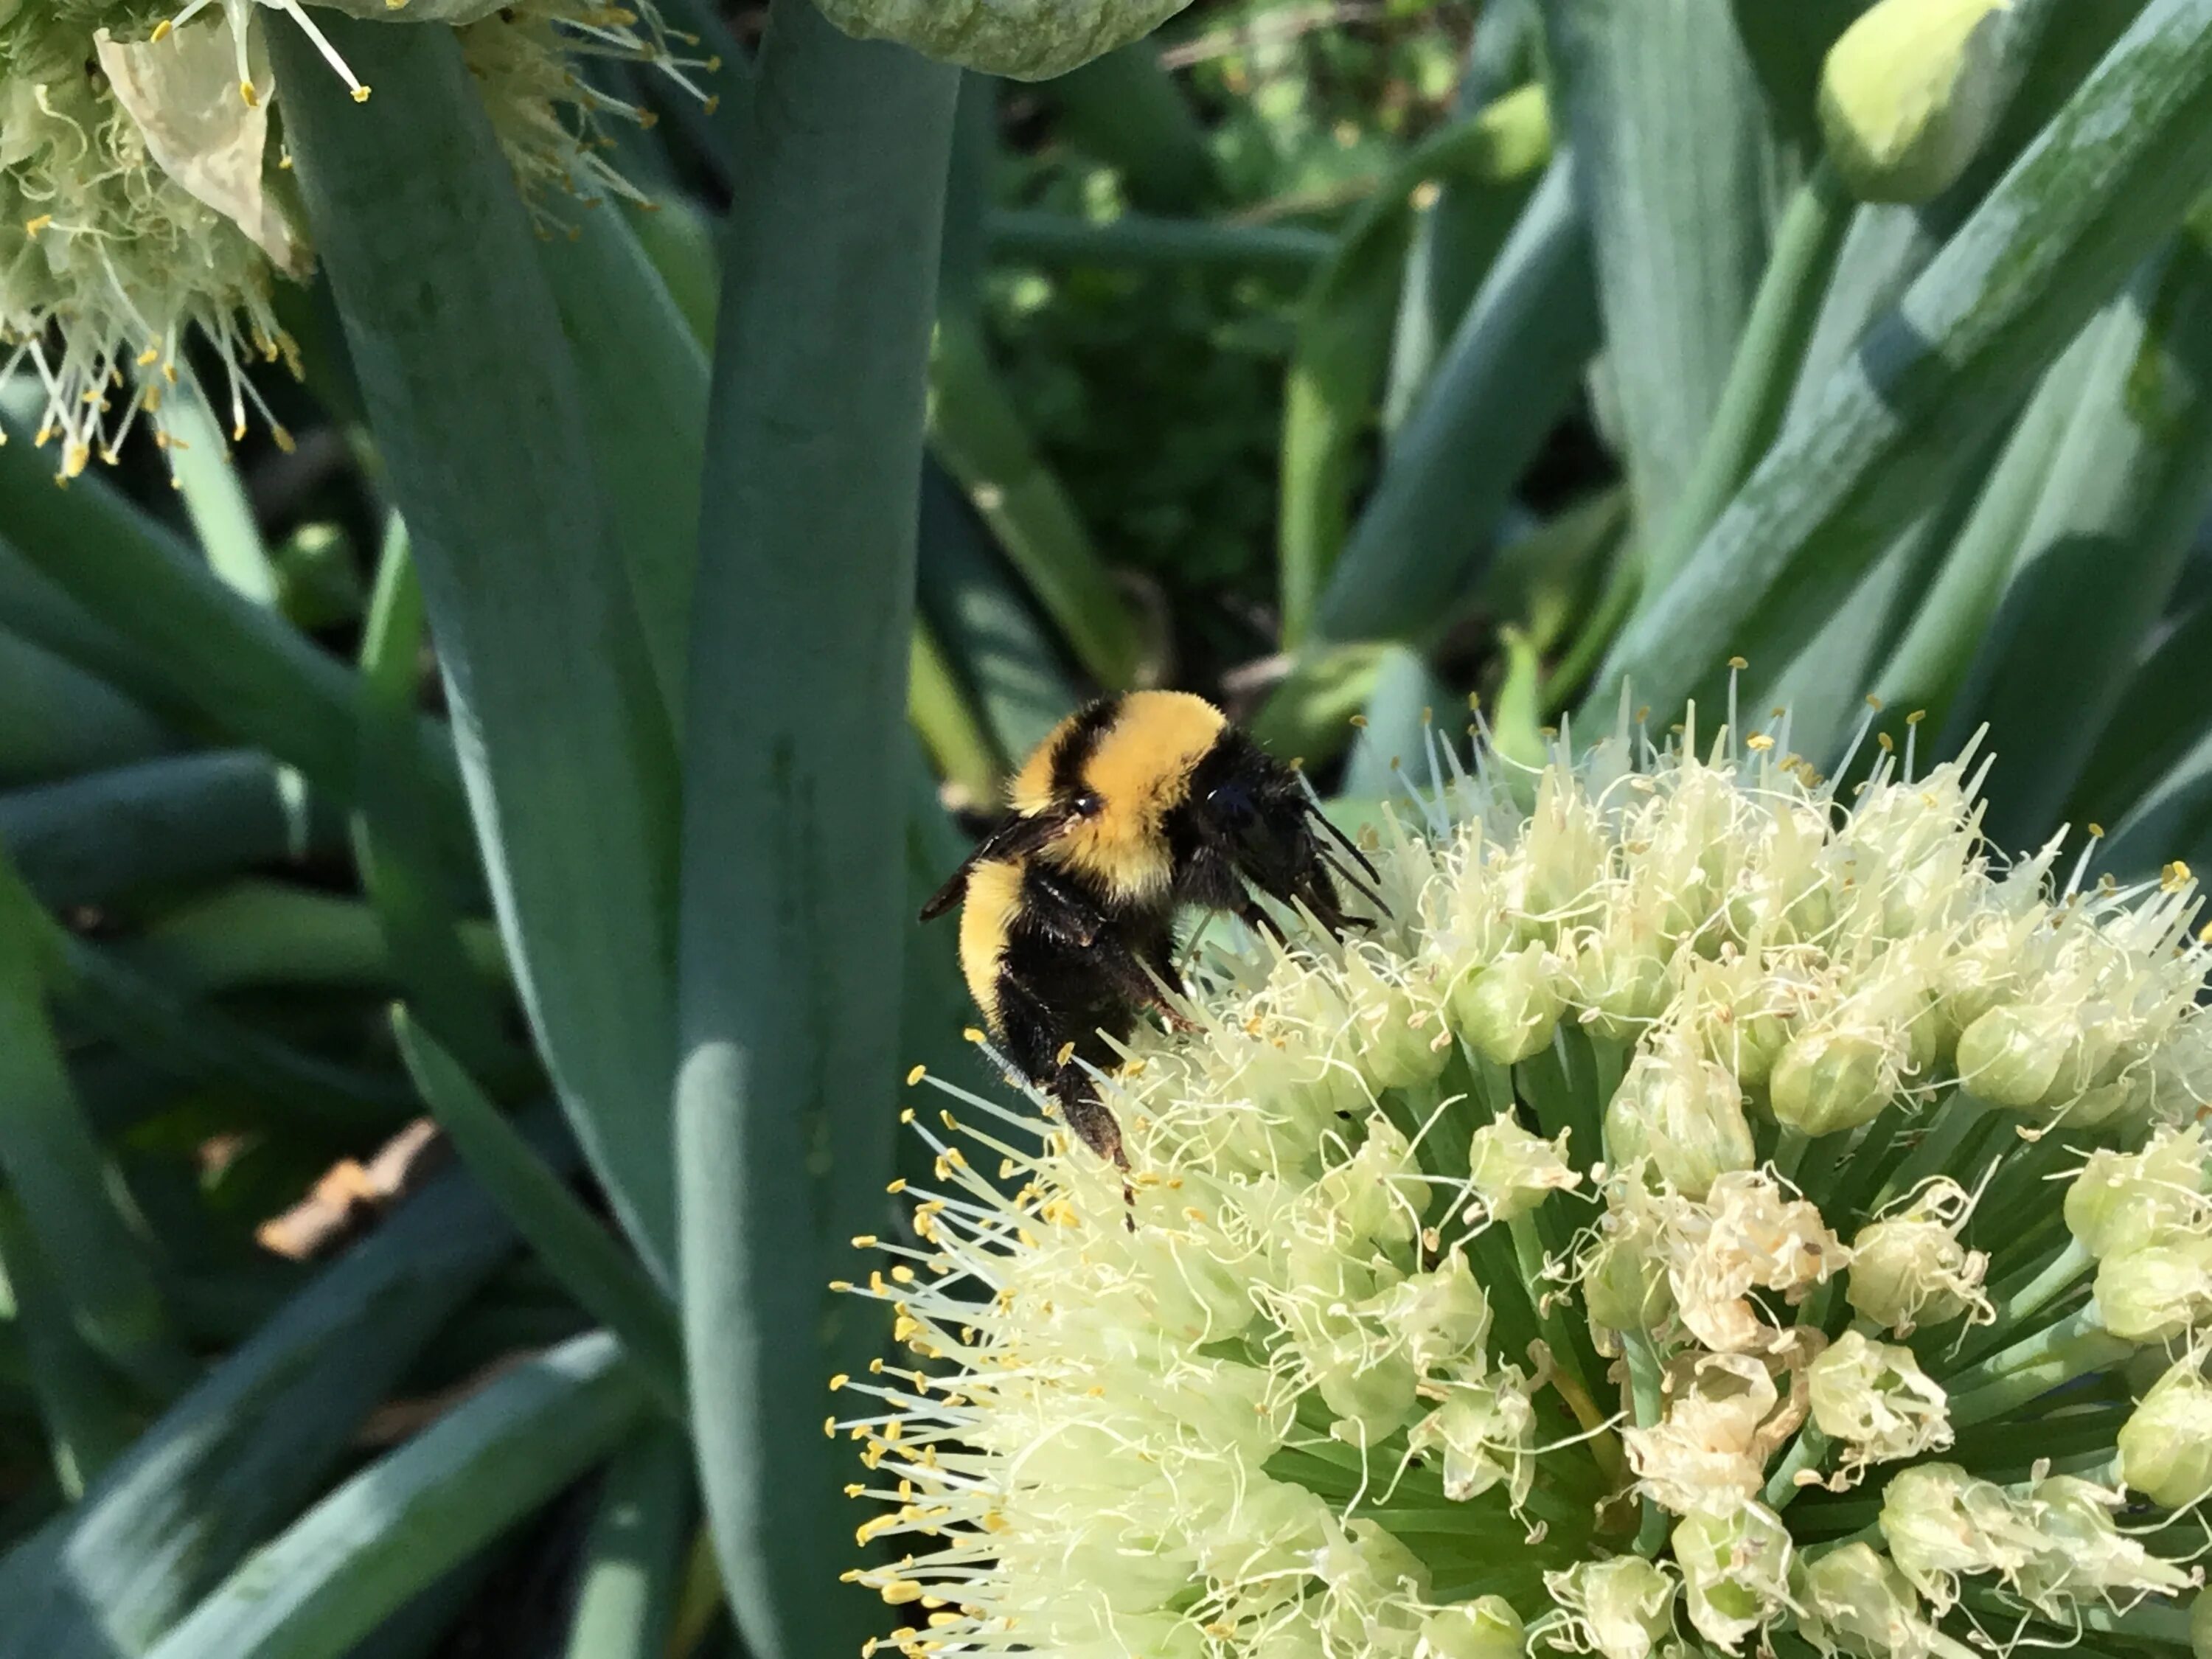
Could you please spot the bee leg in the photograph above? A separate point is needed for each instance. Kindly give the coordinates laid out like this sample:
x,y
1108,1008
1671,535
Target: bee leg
x,y
1095,1124
1065,917
1247,911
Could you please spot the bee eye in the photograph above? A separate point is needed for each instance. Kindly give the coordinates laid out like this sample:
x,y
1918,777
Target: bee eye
x,y
1088,806
1230,800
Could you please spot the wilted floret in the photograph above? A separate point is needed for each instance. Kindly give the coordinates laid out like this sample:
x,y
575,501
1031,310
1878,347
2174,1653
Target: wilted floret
x,y
1908,1268
1874,1398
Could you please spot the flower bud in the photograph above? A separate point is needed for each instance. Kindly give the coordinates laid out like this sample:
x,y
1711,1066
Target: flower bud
x,y
1486,1628
1398,1045
1621,976
2165,1445
1909,1270
1909,92
1623,1606
1512,1172
1023,39
1486,1433
1684,1114
1873,1397
1509,1010
2014,1055
1362,1201
1624,1280
1941,1522
1442,1317
1853,1602
1735,1569
2122,1201
2157,1292
1831,1080
2080,1553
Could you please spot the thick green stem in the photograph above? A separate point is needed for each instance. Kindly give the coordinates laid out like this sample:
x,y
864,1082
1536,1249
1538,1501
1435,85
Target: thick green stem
x,y
2029,1369
2065,1270
1645,1379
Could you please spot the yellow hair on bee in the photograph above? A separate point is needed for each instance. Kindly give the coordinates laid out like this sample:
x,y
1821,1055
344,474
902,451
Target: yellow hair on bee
x,y
1137,766
994,895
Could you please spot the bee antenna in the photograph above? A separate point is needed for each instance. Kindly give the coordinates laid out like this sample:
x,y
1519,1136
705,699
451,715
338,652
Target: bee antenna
x,y
1314,811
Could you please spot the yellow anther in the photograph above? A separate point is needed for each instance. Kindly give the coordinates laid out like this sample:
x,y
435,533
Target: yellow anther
x,y
2173,877
1916,717
840,1381
1886,745
864,1241
1758,741
916,1075
2096,832
33,226
1738,663
1359,721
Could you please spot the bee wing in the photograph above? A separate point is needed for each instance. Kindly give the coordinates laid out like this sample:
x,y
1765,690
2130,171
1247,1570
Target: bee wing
x,y
1013,839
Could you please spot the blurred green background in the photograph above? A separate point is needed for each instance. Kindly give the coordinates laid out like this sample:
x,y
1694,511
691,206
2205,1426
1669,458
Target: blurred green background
x,y
648,607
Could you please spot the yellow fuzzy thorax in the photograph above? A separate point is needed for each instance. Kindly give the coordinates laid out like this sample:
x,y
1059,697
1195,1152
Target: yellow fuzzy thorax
x,y
1138,768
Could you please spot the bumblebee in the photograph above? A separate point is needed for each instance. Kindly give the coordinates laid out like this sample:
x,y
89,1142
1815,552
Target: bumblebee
x,y
1134,805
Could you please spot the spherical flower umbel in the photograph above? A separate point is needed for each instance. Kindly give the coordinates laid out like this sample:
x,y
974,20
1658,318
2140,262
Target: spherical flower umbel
x,y
142,200
1609,1251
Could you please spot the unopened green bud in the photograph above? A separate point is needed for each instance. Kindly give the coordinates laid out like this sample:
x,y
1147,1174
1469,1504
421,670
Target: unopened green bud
x,y
1486,1628
1832,1080
1855,1601
1684,1114
1023,39
1509,1010
2014,1054
2166,1446
1512,1172
2122,1201
2157,1292
1910,92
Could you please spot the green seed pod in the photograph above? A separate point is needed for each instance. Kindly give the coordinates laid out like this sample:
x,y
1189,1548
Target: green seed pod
x,y
1623,1285
1486,1628
1828,1081
1910,91
1023,39
2165,1447
2014,1054
1735,1569
1509,1010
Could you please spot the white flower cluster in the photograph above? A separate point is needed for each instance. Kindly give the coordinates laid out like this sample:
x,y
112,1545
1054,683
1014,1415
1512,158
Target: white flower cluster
x,y
1595,1255
141,192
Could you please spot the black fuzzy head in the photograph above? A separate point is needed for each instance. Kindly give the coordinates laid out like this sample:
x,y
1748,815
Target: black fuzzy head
x,y
1247,818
